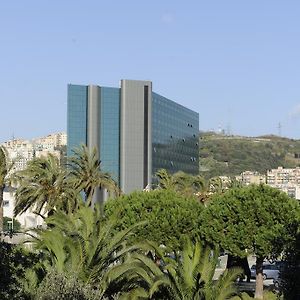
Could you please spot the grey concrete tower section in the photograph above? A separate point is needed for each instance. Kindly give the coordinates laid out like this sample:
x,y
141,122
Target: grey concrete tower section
x,y
93,123
136,136
93,126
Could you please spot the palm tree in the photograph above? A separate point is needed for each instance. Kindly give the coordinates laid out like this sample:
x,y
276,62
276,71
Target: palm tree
x,y
5,168
188,184
191,275
216,185
181,182
44,186
86,173
187,276
81,243
142,275
165,180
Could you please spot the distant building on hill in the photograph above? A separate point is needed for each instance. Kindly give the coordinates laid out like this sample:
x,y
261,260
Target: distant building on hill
x,y
281,176
21,151
251,177
51,141
287,180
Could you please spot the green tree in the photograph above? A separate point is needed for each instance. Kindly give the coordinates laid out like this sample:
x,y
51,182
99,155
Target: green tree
x,y
169,216
44,186
193,185
82,243
141,276
165,180
183,274
87,175
255,219
181,182
290,284
191,273
7,225
13,264
5,168
57,286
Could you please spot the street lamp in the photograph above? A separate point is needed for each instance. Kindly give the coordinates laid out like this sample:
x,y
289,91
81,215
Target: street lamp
x,y
11,229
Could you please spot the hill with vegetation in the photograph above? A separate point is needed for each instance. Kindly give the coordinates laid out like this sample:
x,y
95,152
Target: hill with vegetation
x,y
231,155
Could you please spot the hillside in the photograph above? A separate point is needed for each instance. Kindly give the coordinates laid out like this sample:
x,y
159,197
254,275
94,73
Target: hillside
x,y
231,155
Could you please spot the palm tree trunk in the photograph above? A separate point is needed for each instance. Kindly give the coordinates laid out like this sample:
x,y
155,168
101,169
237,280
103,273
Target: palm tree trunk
x,y
1,208
259,288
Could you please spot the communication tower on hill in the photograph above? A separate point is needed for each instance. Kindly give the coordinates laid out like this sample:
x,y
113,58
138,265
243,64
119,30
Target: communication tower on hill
x,y
279,129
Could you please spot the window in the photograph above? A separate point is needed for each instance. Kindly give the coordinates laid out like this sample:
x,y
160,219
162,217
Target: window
x,y
5,203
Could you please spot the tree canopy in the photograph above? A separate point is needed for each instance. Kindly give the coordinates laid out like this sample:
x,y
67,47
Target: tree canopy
x,y
256,219
169,216
43,186
5,168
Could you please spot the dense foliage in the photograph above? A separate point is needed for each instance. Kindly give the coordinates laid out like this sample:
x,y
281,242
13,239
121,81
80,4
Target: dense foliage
x,y
161,244
57,286
290,279
191,271
169,216
5,168
13,264
45,185
7,224
256,219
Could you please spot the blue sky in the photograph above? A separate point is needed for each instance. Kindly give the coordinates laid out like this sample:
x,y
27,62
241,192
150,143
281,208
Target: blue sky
x,y
235,62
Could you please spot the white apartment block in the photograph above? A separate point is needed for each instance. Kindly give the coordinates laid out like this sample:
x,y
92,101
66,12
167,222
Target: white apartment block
x,y
27,219
51,141
250,177
287,180
21,151
283,176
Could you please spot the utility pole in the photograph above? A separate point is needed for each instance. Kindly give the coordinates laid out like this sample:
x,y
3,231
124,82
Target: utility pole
x,y
279,129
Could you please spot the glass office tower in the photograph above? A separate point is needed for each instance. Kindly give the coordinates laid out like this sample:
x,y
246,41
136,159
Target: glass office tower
x,y
108,140
135,130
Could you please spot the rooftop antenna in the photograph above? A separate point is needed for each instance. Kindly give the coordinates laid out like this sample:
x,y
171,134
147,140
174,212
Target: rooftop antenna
x,y
279,129
228,129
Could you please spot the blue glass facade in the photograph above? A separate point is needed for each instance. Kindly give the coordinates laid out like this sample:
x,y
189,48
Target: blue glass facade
x,y
175,130
109,135
110,131
77,116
